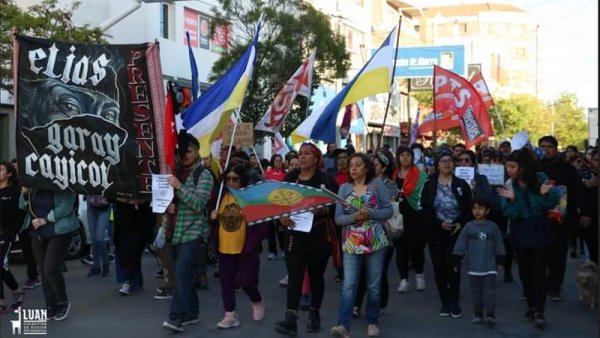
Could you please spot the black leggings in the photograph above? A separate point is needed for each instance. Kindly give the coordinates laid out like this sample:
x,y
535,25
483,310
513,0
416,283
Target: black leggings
x,y
315,262
50,254
6,277
532,271
446,279
409,248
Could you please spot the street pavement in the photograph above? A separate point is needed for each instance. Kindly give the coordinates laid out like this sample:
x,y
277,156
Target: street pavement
x,y
99,311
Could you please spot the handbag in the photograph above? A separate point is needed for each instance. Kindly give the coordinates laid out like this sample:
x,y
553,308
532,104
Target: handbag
x,y
394,226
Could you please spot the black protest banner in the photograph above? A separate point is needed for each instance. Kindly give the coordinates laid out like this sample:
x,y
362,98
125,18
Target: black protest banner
x,y
89,117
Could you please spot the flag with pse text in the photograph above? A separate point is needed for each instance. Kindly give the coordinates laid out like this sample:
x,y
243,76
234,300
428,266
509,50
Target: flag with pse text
x,y
90,118
456,96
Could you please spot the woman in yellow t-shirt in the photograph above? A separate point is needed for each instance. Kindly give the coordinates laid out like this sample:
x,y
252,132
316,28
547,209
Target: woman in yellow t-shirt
x,y
239,248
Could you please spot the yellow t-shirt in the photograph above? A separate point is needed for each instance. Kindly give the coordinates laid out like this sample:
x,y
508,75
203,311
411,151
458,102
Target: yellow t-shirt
x,y
232,226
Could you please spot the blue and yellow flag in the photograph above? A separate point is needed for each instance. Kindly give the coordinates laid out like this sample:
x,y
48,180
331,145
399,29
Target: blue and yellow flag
x,y
374,78
207,116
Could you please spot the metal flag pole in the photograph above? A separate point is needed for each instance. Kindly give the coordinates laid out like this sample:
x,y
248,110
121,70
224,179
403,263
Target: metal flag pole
x,y
387,106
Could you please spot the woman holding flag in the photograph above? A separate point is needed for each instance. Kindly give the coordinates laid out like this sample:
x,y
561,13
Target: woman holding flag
x,y
239,249
308,250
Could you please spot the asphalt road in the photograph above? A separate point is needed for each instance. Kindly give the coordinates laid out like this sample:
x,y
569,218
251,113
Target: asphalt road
x,y
99,311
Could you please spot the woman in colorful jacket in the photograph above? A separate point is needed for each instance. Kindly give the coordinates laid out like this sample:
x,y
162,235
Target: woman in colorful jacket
x,y
364,241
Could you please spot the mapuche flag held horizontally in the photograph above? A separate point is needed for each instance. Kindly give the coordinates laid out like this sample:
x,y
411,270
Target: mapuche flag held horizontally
x,y
269,200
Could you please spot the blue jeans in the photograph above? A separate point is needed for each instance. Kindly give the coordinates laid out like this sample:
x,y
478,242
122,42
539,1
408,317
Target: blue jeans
x,y
184,304
98,223
373,264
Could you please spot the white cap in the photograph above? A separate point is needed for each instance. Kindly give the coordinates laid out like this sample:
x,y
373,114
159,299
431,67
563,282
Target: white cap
x,y
519,140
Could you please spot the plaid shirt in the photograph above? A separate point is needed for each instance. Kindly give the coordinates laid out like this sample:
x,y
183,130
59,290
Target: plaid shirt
x,y
191,221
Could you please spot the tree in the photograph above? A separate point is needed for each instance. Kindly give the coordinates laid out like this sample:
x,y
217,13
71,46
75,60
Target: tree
x,y
291,29
570,126
523,113
44,20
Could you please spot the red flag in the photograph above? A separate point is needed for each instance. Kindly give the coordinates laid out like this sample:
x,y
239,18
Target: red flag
x,y
444,121
170,129
455,95
479,83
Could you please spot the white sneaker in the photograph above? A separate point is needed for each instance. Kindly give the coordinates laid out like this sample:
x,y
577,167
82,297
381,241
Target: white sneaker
x,y
125,289
284,282
271,256
404,286
420,281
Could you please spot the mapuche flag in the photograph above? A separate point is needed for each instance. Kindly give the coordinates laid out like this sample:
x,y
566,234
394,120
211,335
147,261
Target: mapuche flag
x,y
269,200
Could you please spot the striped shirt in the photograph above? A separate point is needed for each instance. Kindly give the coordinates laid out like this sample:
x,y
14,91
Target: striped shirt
x,y
191,221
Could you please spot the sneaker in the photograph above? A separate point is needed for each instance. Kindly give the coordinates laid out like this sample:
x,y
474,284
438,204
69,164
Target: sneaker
x,y
62,310
523,297
339,331
528,317
555,297
229,321
404,286
373,330
477,319
258,309
539,321
272,256
445,311
490,320
87,259
190,321
456,311
111,258
125,289
284,282
338,278
32,283
173,326
420,282
163,294
313,322
356,312
18,299
159,274
50,313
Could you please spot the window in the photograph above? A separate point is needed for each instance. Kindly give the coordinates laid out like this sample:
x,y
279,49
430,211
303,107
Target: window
x,y
463,27
417,28
164,21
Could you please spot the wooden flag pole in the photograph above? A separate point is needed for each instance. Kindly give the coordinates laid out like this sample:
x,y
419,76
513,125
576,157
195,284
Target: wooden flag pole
x,y
235,123
387,107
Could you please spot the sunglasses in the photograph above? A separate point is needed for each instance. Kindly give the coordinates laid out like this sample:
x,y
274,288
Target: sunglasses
x,y
232,179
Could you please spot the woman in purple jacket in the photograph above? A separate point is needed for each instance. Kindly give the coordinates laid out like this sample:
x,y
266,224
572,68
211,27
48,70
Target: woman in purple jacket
x,y
239,247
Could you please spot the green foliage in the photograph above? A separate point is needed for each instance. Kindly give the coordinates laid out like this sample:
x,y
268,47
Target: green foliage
x,y
292,28
44,20
561,118
425,98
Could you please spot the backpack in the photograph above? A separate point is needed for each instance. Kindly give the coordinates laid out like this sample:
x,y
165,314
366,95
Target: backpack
x,y
212,200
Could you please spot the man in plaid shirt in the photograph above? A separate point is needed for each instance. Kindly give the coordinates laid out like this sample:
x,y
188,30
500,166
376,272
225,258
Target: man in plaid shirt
x,y
190,228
